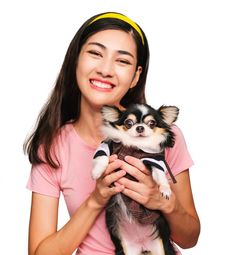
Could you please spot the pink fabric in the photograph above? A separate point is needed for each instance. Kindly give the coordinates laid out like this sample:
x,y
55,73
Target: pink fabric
x,y
74,180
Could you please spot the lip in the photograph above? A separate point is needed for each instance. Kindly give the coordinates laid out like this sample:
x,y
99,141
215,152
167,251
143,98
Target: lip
x,y
141,135
101,85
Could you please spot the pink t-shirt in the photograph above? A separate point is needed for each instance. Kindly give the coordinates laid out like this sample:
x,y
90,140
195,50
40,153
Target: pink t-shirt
x,y
73,179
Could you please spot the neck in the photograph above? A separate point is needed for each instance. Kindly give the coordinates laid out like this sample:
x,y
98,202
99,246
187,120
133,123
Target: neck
x,y
88,125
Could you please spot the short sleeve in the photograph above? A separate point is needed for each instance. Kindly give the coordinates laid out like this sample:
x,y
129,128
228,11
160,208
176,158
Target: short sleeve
x,y
178,157
44,180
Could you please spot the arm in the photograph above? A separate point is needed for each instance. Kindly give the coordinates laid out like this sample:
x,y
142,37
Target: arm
x,y
181,214
179,210
43,235
43,219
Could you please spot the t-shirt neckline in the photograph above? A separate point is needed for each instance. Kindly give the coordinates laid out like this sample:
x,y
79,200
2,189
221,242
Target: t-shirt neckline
x,y
79,138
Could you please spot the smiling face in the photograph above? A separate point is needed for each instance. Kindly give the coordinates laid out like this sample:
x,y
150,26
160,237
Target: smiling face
x,y
107,67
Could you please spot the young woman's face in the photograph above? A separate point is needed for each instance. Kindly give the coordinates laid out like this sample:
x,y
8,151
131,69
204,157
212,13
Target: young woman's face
x,y
106,67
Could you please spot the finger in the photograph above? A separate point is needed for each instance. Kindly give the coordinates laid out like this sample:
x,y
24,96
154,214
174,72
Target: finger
x,y
133,195
138,164
116,164
114,190
112,158
104,193
113,177
132,185
119,186
138,187
137,174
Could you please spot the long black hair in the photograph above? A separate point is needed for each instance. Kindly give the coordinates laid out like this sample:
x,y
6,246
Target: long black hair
x,y
63,105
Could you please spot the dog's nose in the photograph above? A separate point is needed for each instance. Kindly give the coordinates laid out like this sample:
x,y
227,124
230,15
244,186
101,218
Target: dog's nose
x,y
140,129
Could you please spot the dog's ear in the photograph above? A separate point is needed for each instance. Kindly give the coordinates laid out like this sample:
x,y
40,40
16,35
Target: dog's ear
x,y
169,113
110,113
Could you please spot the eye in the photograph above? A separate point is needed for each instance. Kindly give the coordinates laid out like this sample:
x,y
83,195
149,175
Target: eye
x,y
123,61
151,124
128,123
94,53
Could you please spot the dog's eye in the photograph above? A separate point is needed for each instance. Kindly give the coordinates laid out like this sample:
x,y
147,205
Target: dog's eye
x,y
128,123
151,124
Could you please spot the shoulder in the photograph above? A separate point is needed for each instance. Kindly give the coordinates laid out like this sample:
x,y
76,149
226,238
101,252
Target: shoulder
x,y
178,157
43,178
62,143
65,137
179,139
177,131
65,132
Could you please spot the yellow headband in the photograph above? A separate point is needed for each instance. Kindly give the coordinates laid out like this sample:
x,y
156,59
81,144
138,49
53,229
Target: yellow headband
x,y
121,17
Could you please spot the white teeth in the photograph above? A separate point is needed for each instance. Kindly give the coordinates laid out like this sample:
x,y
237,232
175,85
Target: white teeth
x,y
101,85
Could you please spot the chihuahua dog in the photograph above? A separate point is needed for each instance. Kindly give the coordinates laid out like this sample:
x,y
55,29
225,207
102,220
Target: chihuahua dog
x,y
143,132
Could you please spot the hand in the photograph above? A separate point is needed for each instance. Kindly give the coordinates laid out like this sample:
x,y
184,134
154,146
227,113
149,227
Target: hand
x,y
145,191
104,188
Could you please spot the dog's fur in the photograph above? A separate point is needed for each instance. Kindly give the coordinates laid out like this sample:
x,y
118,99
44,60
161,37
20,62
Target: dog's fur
x,y
144,129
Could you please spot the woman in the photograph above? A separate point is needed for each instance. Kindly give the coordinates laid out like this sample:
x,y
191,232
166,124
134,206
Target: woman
x,y
106,64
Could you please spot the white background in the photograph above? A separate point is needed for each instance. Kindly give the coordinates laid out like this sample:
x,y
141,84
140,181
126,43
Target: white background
x,y
200,61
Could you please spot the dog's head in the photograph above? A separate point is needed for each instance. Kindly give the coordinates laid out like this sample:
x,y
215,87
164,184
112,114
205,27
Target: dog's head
x,y
140,125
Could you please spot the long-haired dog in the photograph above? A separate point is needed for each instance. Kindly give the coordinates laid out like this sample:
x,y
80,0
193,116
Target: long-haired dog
x,y
142,132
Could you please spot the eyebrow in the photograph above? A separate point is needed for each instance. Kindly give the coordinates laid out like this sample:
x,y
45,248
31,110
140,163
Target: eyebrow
x,y
124,52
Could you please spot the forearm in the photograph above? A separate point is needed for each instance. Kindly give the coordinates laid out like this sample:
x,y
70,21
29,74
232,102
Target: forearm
x,y
68,238
185,228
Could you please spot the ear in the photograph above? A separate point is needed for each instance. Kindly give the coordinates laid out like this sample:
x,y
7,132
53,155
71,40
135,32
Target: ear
x,y
136,77
169,113
110,113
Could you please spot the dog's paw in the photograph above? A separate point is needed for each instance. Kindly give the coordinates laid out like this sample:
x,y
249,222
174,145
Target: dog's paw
x,y
99,166
165,191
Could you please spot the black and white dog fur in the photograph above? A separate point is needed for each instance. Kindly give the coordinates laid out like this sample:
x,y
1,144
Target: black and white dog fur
x,y
149,130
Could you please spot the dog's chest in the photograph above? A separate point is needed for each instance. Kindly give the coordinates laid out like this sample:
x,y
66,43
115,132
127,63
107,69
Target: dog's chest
x,y
123,150
139,212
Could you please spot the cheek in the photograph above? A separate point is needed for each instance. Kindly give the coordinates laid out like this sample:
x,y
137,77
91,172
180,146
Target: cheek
x,y
84,66
132,132
148,131
125,75
80,72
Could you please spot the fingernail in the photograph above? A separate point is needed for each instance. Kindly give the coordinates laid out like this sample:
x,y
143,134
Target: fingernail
x,y
122,172
127,158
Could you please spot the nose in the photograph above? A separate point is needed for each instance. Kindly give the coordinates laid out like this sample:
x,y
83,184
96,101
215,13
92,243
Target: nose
x,y
139,129
105,68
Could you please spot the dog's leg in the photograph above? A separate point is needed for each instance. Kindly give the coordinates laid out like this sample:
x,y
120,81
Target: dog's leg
x,y
159,169
130,248
161,179
156,247
99,166
112,223
100,160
